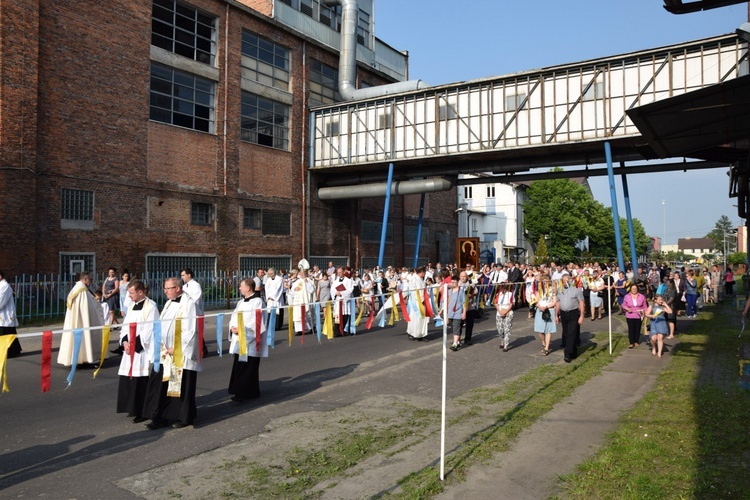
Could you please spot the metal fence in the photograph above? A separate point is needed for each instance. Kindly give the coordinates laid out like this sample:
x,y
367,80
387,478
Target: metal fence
x,y
43,296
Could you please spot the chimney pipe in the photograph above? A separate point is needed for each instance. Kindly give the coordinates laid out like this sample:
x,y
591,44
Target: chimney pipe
x,y
348,59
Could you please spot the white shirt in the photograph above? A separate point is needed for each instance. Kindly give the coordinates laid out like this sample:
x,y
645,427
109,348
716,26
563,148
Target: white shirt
x,y
193,288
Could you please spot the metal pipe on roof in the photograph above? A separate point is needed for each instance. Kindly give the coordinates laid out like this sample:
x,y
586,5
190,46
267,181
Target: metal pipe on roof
x,y
348,59
379,189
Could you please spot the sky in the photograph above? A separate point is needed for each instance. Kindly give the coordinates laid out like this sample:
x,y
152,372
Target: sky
x,y
462,40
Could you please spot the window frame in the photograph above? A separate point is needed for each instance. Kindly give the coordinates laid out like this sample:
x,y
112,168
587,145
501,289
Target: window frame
x,y
253,48
176,42
207,218
253,109
180,83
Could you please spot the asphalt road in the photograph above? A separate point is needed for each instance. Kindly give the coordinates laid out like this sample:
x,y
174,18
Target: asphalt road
x,y
70,443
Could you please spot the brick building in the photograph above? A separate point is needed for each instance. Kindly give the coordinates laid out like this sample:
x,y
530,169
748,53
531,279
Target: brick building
x,y
152,134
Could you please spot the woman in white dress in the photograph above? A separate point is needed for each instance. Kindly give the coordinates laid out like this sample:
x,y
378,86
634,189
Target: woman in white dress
x,y
595,286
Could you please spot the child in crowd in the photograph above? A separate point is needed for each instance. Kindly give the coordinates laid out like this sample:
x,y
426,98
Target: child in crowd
x,y
105,307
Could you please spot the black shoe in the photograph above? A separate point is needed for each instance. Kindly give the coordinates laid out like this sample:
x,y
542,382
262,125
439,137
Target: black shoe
x,y
237,400
179,425
568,359
562,346
138,420
467,342
155,425
116,351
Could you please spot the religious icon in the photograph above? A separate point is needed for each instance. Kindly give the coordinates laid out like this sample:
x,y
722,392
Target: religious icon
x,y
467,252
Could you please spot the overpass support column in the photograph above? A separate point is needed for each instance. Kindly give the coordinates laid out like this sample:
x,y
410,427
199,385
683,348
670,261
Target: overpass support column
x,y
419,230
384,231
631,233
613,195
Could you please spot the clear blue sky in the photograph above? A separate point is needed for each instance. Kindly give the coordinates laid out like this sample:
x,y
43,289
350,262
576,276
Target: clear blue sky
x,y
467,39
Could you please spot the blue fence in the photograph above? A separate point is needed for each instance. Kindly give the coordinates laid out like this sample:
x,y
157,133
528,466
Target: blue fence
x,y
42,296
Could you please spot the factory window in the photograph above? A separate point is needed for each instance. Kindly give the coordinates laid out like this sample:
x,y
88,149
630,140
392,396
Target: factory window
x,y
181,99
72,263
183,30
264,122
201,214
251,218
277,223
324,83
77,205
363,29
490,191
264,61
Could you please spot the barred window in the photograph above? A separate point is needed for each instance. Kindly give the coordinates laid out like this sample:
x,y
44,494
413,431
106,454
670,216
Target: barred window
x,y
183,30
201,214
77,204
249,264
371,232
323,84
171,264
181,99
264,122
251,218
276,222
72,263
264,61
410,236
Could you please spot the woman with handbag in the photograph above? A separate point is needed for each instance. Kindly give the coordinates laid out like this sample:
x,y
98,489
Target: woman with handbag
x,y
504,316
544,318
595,286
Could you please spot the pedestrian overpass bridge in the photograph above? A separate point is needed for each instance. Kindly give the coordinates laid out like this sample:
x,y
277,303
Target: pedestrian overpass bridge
x,y
555,116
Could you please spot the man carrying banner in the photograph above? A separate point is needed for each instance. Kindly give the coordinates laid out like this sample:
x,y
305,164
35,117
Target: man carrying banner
x,y
244,382
137,344
170,396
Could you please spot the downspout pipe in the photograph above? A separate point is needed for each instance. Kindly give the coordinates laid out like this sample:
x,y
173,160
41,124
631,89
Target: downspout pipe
x,y
348,59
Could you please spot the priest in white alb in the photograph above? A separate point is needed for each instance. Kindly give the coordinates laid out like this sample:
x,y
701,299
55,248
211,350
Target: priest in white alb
x,y
418,323
82,311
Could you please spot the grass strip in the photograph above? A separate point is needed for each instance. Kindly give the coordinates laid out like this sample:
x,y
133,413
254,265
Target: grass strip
x,y
687,438
533,395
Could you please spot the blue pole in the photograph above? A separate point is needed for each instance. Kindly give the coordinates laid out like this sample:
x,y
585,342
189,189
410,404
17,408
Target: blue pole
x,y
613,195
419,230
385,215
631,233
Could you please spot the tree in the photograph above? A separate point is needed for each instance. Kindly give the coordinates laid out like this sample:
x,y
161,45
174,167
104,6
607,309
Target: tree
x,y
541,254
737,258
559,209
723,227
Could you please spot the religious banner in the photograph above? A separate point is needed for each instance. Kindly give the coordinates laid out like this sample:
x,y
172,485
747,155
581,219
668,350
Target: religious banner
x,y
467,252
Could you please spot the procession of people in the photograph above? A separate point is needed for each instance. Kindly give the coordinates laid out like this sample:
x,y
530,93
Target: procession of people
x,y
159,366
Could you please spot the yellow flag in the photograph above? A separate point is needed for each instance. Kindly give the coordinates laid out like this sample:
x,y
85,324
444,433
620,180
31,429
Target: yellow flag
x,y
105,343
177,356
328,322
5,342
420,304
394,308
361,311
242,334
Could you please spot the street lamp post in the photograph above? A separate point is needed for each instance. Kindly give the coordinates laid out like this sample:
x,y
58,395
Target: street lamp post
x,y
733,232
664,224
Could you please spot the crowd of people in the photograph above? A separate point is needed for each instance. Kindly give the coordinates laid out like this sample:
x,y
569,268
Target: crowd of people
x,y
553,295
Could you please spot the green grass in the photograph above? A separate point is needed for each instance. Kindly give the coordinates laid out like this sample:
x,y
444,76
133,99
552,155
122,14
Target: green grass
x,y
687,438
527,399
305,468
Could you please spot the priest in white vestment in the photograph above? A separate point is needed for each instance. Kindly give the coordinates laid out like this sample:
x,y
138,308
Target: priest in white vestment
x,y
341,291
143,311
301,293
83,311
417,326
244,381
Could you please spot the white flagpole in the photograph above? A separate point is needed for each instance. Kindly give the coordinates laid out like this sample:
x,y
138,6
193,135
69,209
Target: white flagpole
x,y
609,298
445,372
